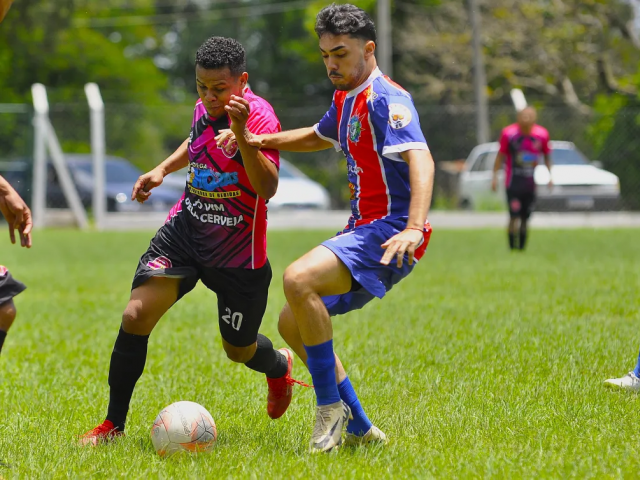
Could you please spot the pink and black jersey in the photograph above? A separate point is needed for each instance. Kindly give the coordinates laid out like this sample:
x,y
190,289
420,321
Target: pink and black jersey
x,y
223,220
372,125
522,154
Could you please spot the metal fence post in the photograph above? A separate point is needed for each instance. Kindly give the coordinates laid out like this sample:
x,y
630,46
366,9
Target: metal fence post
x,y
96,107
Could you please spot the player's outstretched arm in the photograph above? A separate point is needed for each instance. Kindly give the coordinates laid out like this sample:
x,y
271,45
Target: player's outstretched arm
x,y
173,163
496,168
421,173
16,212
299,140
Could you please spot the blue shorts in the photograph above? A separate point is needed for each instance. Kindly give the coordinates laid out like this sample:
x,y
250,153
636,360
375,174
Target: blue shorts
x,y
360,250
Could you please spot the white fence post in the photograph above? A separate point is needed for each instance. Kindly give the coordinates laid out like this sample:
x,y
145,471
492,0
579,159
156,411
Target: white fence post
x,y
46,137
39,186
96,107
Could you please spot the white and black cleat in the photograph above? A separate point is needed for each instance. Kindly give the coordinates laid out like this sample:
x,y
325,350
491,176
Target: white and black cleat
x,y
330,421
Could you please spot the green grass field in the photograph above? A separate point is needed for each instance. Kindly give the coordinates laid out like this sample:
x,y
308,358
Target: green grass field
x,y
481,364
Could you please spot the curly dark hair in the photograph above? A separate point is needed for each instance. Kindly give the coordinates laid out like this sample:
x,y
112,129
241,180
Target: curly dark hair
x,y
220,52
345,19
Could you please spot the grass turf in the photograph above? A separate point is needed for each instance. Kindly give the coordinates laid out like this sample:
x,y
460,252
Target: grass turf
x,y
483,363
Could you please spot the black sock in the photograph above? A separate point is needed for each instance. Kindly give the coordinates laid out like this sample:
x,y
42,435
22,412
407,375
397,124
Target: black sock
x,y
523,239
512,240
127,364
267,360
3,335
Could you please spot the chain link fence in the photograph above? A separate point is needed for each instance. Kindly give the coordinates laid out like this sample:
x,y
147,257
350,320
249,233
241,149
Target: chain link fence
x,y
145,135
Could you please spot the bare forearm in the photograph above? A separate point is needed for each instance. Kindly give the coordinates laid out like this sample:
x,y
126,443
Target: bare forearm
x,y
177,160
300,140
5,188
547,162
261,171
421,173
498,163
4,8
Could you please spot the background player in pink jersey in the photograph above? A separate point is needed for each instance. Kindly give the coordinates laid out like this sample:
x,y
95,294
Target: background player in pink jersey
x,y
216,234
521,146
18,216
373,121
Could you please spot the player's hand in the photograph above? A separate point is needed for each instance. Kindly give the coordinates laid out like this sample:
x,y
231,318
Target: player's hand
x,y
254,140
18,216
226,140
494,184
141,190
238,110
404,242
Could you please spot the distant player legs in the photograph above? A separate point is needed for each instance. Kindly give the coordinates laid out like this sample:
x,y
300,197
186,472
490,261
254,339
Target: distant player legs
x,y
7,316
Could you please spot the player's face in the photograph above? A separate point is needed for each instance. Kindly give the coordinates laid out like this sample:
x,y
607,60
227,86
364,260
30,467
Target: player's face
x,y
527,119
345,58
215,87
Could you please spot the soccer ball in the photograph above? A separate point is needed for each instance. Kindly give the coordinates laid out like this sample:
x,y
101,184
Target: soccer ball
x,y
183,426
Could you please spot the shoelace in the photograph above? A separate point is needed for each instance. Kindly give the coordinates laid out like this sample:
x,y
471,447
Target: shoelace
x,y
323,417
101,429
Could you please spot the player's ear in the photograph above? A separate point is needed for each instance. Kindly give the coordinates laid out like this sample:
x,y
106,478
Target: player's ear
x,y
244,79
369,49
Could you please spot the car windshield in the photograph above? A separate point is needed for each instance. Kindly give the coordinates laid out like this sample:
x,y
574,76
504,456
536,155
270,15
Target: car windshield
x,y
117,172
565,156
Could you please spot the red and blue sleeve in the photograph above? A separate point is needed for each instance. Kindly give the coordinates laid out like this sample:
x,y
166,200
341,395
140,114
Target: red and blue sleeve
x,y
327,127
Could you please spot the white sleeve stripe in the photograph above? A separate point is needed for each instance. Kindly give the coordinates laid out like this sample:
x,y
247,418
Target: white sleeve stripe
x,y
392,152
335,144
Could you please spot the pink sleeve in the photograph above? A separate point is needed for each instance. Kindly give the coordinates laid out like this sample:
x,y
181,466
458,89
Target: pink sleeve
x,y
546,149
504,143
263,120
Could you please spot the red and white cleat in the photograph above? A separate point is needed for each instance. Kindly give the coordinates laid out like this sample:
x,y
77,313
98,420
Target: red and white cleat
x,y
281,389
103,433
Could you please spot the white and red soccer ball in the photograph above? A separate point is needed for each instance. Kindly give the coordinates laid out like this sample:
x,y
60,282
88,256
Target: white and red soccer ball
x,y
183,426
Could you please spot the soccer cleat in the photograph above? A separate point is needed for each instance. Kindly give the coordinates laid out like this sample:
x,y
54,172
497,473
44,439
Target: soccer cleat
x,y
281,389
330,420
629,382
103,433
374,435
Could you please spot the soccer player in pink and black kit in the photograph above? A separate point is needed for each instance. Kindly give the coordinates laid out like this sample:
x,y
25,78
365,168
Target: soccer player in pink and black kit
x,y
373,121
216,234
521,146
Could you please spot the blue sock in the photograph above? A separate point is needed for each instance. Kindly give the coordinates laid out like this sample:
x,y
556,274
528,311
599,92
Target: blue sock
x,y
360,423
636,371
322,366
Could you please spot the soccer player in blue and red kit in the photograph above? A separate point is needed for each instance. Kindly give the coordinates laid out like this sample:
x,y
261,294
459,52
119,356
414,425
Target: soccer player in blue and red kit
x,y
521,146
373,121
216,233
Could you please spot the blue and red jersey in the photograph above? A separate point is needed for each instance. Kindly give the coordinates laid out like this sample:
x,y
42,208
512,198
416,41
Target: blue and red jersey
x,y
372,125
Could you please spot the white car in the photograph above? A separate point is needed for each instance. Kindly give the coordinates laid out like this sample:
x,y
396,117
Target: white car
x,y
577,183
295,189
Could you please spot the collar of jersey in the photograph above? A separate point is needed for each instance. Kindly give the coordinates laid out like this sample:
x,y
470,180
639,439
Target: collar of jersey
x,y
375,74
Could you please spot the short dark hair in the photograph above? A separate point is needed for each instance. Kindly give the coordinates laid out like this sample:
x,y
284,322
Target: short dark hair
x,y
345,19
220,52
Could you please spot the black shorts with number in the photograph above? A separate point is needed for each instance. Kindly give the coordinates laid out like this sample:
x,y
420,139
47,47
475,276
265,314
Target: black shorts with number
x,y
242,293
9,286
521,202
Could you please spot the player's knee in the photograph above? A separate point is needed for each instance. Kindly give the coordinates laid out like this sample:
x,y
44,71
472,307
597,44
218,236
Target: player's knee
x,y
8,312
132,320
295,281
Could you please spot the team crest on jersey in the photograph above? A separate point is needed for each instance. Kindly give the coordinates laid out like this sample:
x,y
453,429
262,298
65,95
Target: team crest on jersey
x,y
229,148
355,128
3,271
399,116
159,263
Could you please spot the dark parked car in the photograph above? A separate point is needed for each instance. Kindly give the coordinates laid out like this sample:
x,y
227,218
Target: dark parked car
x,y
120,175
